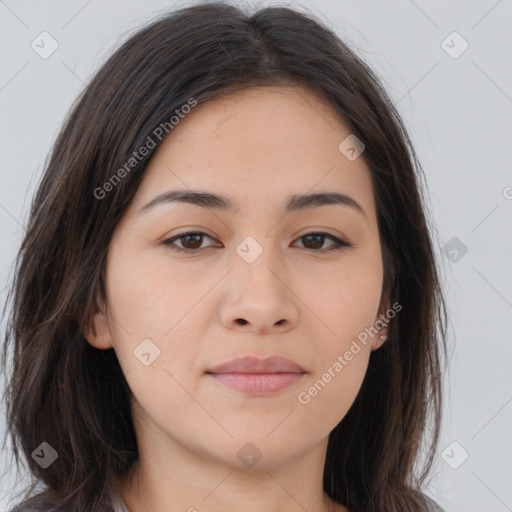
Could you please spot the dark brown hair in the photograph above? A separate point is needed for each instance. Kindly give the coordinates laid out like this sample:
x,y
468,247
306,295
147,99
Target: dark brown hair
x,y
65,392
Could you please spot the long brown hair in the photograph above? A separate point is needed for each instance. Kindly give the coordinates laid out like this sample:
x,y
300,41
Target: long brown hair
x,y
74,397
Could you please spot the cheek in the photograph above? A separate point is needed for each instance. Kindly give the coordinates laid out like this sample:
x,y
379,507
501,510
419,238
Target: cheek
x,y
331,391
150,299
148,294
347,299
347,306
151,344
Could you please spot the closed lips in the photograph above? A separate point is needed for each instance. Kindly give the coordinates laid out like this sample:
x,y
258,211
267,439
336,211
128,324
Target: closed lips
x,y
251,364
255,376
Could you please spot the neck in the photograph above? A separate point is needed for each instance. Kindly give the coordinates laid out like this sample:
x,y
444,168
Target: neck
x,y
168,477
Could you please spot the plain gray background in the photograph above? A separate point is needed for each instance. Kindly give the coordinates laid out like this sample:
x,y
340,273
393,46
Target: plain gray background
x,y
457,106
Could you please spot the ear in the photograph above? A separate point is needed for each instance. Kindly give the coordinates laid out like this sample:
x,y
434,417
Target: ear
x,y
97,330
381,323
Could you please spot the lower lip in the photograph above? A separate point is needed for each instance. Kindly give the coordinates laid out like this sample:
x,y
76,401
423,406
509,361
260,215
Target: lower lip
x,y
257,383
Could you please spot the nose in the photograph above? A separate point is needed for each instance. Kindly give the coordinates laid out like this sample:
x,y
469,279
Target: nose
x,y
259,298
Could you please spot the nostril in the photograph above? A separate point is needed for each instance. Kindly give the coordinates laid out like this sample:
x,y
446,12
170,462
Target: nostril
x,y
241,321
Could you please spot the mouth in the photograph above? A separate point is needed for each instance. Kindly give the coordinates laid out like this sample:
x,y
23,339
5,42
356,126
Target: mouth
x,y
257,383
257,376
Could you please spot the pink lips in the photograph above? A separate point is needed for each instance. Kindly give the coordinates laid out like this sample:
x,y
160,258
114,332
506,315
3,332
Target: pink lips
x,y
257,376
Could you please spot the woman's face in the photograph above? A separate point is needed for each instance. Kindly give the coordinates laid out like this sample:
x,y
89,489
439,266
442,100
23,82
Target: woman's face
x,y
256,285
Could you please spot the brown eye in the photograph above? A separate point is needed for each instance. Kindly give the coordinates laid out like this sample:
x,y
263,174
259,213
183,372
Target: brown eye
x,y
190,242
315,241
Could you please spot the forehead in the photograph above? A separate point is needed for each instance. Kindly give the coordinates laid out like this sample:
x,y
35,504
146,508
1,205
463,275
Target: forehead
x,y
263,143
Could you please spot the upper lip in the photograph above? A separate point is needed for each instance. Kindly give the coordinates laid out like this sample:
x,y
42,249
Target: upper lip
x,y
251,364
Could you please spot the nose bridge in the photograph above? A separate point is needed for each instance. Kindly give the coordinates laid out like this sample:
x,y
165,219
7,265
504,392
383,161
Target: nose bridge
x,y
257,264
258,295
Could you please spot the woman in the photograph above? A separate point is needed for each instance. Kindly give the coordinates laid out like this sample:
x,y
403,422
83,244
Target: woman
x,y
227,293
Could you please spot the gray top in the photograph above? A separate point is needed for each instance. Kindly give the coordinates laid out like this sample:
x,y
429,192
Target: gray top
x,y
121,505
434,507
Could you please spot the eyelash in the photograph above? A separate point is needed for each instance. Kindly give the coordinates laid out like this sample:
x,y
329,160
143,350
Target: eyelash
x,y
340,244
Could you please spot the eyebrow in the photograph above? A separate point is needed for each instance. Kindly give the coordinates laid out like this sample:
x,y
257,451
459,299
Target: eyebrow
x,y
294,202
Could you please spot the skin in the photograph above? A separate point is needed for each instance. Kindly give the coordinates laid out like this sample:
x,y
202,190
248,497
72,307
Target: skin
x,y
258,146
